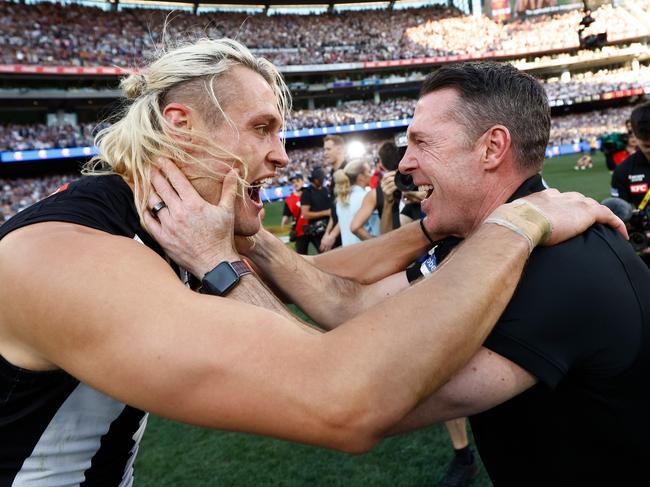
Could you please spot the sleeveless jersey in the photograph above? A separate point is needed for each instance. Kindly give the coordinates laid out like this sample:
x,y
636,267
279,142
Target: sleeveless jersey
x,y
55,430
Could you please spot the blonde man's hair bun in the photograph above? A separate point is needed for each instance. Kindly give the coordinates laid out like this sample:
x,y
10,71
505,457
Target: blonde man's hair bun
x,y
134,85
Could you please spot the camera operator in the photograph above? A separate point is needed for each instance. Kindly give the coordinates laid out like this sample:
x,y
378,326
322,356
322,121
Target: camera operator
x,y
316,208
631,179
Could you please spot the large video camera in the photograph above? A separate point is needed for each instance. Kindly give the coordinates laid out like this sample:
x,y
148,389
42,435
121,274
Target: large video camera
x,y
637,221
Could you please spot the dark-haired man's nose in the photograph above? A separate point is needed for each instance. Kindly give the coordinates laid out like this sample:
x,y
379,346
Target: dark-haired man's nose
x,y
408,164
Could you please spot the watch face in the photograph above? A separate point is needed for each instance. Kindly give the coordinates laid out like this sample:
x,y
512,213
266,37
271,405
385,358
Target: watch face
x,y
221,279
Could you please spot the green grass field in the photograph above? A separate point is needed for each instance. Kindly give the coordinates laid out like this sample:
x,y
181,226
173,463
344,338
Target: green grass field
x,y
178,455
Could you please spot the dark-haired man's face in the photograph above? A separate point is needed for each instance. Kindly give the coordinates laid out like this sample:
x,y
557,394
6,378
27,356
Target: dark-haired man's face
x,y
445,165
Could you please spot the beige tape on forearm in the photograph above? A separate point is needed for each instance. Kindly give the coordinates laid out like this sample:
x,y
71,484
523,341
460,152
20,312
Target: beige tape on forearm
x,y
524,219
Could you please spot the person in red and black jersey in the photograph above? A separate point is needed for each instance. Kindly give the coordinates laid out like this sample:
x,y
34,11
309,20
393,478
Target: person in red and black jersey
x,y
291,210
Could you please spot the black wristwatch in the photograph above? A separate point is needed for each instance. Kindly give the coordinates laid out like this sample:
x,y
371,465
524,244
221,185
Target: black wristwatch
x,y
223,278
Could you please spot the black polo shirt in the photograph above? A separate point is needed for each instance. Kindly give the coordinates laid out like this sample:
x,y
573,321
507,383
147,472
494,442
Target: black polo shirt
x,y
318,200
631,179
579,321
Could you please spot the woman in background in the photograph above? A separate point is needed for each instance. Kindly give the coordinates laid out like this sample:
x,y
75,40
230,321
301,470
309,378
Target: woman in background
x,y
350,189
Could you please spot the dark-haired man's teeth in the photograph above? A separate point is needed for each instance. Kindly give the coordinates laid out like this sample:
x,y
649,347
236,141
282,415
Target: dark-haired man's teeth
x,y
425,188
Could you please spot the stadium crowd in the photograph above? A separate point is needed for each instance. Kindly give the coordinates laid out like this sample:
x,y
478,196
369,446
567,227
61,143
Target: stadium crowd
x,y
571,129
565,129
16,137
354,111
594,83
47,34
580,56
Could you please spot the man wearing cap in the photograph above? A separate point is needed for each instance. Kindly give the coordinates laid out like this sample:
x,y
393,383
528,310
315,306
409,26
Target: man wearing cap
x,y
292,210
316,208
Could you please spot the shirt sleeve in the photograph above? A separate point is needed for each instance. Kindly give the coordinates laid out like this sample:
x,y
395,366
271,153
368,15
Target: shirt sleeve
x,y
305,198
560,319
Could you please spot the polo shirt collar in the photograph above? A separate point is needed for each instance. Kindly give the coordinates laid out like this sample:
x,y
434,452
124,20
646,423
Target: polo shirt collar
x,y
531,185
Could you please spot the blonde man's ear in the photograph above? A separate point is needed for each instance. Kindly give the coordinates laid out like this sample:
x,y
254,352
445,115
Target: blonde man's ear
x,y
179,117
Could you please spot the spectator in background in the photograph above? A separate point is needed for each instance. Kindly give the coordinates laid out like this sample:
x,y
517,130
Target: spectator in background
x,y
584,162
350,189
631,179
292,211
316,208
334,154
619,146
384,200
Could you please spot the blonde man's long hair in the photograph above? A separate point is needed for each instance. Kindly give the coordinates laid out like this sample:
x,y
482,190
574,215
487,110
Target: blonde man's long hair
x,y
191,72
345,178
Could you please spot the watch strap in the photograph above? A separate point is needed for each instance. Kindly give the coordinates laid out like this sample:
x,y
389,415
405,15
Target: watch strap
x,y
224,277
241,267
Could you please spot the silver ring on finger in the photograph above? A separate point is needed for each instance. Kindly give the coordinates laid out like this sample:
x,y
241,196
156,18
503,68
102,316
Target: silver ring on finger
x,y
157,207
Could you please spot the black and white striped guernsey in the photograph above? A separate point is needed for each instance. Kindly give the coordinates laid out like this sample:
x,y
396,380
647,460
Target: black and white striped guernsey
x,y
55,430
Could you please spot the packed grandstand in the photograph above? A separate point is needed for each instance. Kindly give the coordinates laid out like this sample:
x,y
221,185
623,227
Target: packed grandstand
x,y
349,71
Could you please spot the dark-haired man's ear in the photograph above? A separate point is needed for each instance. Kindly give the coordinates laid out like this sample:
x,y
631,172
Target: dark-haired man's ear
x,y
179,116
497,143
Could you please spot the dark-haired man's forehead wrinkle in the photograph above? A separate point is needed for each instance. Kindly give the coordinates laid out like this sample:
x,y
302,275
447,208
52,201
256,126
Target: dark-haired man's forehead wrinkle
x,y
453,108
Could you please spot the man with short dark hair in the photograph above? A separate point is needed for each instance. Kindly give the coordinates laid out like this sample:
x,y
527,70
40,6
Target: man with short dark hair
x,y
334,153
558,394
631,178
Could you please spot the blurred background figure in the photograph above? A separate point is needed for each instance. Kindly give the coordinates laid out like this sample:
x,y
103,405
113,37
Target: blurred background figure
x,y
585,162
618,146
316,208
463,466
384,200
291,211
334,155
350,189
